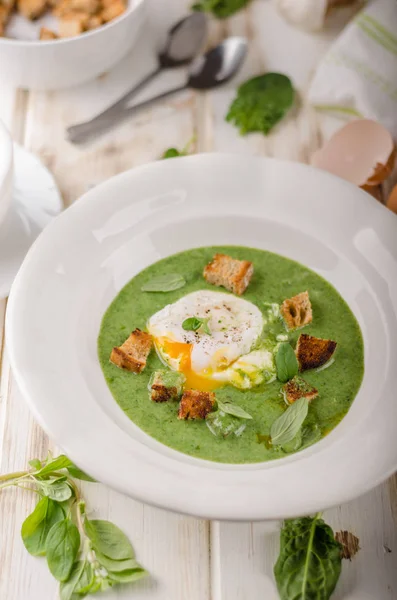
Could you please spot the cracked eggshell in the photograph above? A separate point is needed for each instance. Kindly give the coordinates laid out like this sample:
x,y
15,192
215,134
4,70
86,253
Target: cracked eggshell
x,y
361,152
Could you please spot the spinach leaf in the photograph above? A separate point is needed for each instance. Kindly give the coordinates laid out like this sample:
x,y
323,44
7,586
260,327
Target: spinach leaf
x,y
286,363
195,323
109,540
164,283
261,102
309,563
37,525
233,409
286,427
220,8
62,546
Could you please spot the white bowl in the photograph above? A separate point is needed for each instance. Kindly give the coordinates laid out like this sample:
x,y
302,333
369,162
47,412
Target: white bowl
x,y
86,256
6,171
54,64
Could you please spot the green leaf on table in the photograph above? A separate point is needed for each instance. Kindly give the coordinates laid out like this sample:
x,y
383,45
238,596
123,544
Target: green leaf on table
x,y
196,323
77,473
54,464
37,525
62,546
86,581
35,463
109,540
220,8
172,153
60,491
164,283
233,409
127,576
116,565
286,362
286,427
309,563
67,588
261,102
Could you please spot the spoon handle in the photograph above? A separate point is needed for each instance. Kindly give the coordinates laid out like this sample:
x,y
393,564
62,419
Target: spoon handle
x,y
78,134
82,132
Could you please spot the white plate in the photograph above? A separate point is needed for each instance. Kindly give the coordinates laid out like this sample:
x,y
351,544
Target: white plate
x,y
35,203
87,255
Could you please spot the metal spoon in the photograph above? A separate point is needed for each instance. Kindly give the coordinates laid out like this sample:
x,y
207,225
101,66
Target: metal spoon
x,y
183,43
207,71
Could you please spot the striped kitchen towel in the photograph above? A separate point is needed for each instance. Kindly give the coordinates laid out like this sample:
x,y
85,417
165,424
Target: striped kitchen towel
x,y
358,75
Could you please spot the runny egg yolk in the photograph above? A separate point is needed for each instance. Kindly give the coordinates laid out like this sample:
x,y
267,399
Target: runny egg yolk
x,y
182,352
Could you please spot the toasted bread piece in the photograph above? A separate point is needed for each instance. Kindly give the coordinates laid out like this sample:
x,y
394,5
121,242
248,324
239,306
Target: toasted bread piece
x,y
5,12
91,7
195,404
133,353
47,34
166,385
230,273
298,388
113,10
94,21
313,352
32,9
297,311
70,27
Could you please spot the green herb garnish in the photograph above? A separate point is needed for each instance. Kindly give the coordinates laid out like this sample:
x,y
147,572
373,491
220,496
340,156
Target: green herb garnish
x,y
309,563
164,283
85,556
220,8
287,426
261,102
195,323
286,362
222,424
174,152
233,409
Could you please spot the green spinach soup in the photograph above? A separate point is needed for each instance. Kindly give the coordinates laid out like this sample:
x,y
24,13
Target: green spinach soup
x,y
236,355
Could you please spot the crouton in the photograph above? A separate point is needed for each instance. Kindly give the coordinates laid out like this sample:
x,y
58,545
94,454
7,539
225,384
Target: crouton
x,y
70,27
297,311
298,388
47,34
230,273
133,353
195,404
4,16
166,385
313,352
32,9
88,6
94,21
113,10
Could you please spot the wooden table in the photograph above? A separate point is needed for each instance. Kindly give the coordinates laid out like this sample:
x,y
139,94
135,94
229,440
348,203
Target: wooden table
x,y
189,559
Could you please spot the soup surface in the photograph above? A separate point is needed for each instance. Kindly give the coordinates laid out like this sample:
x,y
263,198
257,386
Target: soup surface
x,y
275,279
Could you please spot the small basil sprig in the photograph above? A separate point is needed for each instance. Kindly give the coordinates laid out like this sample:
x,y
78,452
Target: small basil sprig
x,y
164,283
286,363
309,563
195,323
286,427
85,556
174,152
233,409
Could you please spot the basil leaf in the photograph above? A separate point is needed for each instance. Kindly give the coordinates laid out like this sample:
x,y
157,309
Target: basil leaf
x,y
128,576
60,491
61,462
109,540
294,445
222,425
62,546
309,563
233,409
85,582
116,565
79,474
172,153
36,526
286,363
195,323
220,8
35,463
310,435
164,283
67,588
285,428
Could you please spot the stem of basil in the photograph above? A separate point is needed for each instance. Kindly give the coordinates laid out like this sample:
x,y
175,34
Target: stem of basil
x,y
10,476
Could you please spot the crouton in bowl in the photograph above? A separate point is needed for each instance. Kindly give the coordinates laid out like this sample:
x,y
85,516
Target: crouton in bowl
x,y
52,45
